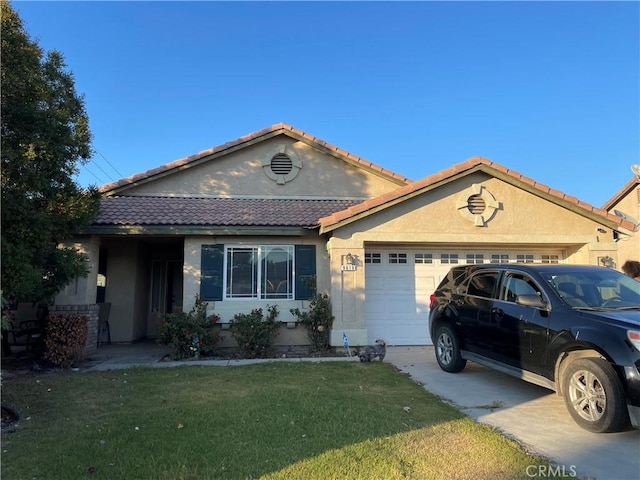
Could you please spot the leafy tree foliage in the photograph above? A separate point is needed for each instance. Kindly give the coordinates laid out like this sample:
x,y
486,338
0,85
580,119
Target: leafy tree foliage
x,y
45,136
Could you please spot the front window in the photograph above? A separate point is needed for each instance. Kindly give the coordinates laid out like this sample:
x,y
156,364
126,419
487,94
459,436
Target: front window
x,y
259,272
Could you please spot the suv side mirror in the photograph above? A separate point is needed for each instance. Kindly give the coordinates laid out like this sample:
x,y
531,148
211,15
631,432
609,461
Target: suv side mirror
x,y
531,301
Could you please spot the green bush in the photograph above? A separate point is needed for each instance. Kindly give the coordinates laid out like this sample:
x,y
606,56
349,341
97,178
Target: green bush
x,y
256,335
66,337
190,334
318,321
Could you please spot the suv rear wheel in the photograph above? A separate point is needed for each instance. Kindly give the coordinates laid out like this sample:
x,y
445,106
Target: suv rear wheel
x,y
594,395
448,350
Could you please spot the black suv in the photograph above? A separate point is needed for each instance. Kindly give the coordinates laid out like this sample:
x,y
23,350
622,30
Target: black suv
x,y
574,329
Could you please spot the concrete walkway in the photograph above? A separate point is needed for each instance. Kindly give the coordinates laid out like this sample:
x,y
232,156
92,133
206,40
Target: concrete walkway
x,y
150,354
533,416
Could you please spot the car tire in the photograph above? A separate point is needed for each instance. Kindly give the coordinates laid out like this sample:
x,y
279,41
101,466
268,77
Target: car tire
x,y
447,348
594,395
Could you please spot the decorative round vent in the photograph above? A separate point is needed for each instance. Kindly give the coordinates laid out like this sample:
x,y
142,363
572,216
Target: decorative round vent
x,y
477,205
281,164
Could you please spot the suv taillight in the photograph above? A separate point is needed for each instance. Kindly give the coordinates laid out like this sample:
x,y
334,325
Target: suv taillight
x,y
634,338
432,300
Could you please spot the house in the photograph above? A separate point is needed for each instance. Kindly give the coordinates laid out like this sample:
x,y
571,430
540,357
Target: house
x,y
247,223
625,203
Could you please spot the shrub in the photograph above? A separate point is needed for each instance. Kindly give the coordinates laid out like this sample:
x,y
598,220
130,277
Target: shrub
x,y
318,321
255,335
66,337
190,334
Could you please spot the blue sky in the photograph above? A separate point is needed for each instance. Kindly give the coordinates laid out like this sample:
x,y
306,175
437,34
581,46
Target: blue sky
x,y
550,89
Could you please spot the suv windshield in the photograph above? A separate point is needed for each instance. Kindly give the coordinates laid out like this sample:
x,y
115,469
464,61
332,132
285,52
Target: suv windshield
x,y
595,289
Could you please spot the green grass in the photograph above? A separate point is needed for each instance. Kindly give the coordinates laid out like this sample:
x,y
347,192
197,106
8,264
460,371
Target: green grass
x,y
281,420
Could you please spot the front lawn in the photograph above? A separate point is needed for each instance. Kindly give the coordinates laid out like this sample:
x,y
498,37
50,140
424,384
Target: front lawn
x,y
281,420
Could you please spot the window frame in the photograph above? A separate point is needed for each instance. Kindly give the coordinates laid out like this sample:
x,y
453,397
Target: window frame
x,y
259,290
467,284
520,276
213,268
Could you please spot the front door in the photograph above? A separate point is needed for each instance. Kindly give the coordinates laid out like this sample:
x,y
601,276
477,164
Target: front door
x,y
166,293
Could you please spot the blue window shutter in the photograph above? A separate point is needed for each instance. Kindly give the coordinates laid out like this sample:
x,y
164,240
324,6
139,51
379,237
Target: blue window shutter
x,y
211,264
305,271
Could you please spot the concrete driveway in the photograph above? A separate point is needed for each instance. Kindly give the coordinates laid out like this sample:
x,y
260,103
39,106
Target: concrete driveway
x,y
533,416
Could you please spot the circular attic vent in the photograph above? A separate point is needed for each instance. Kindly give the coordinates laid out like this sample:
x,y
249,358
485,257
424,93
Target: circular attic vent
x,y
476,205
281,164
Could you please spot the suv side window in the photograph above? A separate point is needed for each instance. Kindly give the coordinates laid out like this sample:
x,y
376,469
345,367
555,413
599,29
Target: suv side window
x,y
482,284
515,284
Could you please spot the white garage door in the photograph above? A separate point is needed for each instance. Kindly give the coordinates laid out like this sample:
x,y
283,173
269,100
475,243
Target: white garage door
x,y
400,282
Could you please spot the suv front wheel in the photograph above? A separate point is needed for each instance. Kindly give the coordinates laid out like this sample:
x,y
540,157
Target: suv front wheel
x,y
594,395
448,350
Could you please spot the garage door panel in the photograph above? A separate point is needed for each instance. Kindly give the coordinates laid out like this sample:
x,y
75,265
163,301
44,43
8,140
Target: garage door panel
x,y
397,294
401,330
375,284
426,283
399,307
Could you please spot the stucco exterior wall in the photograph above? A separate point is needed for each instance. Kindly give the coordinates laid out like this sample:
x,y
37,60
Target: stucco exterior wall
x,y
227,309
241,174
82,291
629,246
141,280
122,289
521,220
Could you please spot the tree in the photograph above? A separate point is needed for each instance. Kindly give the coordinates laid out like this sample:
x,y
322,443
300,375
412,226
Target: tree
x,y
45,137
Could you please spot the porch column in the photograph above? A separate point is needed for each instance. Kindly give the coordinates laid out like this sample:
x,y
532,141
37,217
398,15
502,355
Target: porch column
x,y
82,291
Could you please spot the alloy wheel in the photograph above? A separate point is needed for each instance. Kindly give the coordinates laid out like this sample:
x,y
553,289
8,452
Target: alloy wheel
x,y
587,395
445,348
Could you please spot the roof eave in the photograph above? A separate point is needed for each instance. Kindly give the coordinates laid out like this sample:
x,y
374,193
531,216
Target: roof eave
x,y
182,230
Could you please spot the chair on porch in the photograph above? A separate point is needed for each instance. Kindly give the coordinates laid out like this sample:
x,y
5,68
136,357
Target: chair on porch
x,y
103,323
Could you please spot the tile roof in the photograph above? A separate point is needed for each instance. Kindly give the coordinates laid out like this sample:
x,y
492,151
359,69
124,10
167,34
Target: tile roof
x,y
269,132
367,207
188,211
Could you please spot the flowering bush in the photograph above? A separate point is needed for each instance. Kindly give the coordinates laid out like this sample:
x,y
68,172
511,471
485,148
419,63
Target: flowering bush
x,y
190,334
255,335
318,321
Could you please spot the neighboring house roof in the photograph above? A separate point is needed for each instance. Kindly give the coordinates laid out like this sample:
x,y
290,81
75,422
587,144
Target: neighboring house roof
x,y
119,186
455,172
218,212
620,194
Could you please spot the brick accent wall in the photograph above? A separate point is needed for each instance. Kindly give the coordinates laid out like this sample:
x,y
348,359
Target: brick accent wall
x,y
91,312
